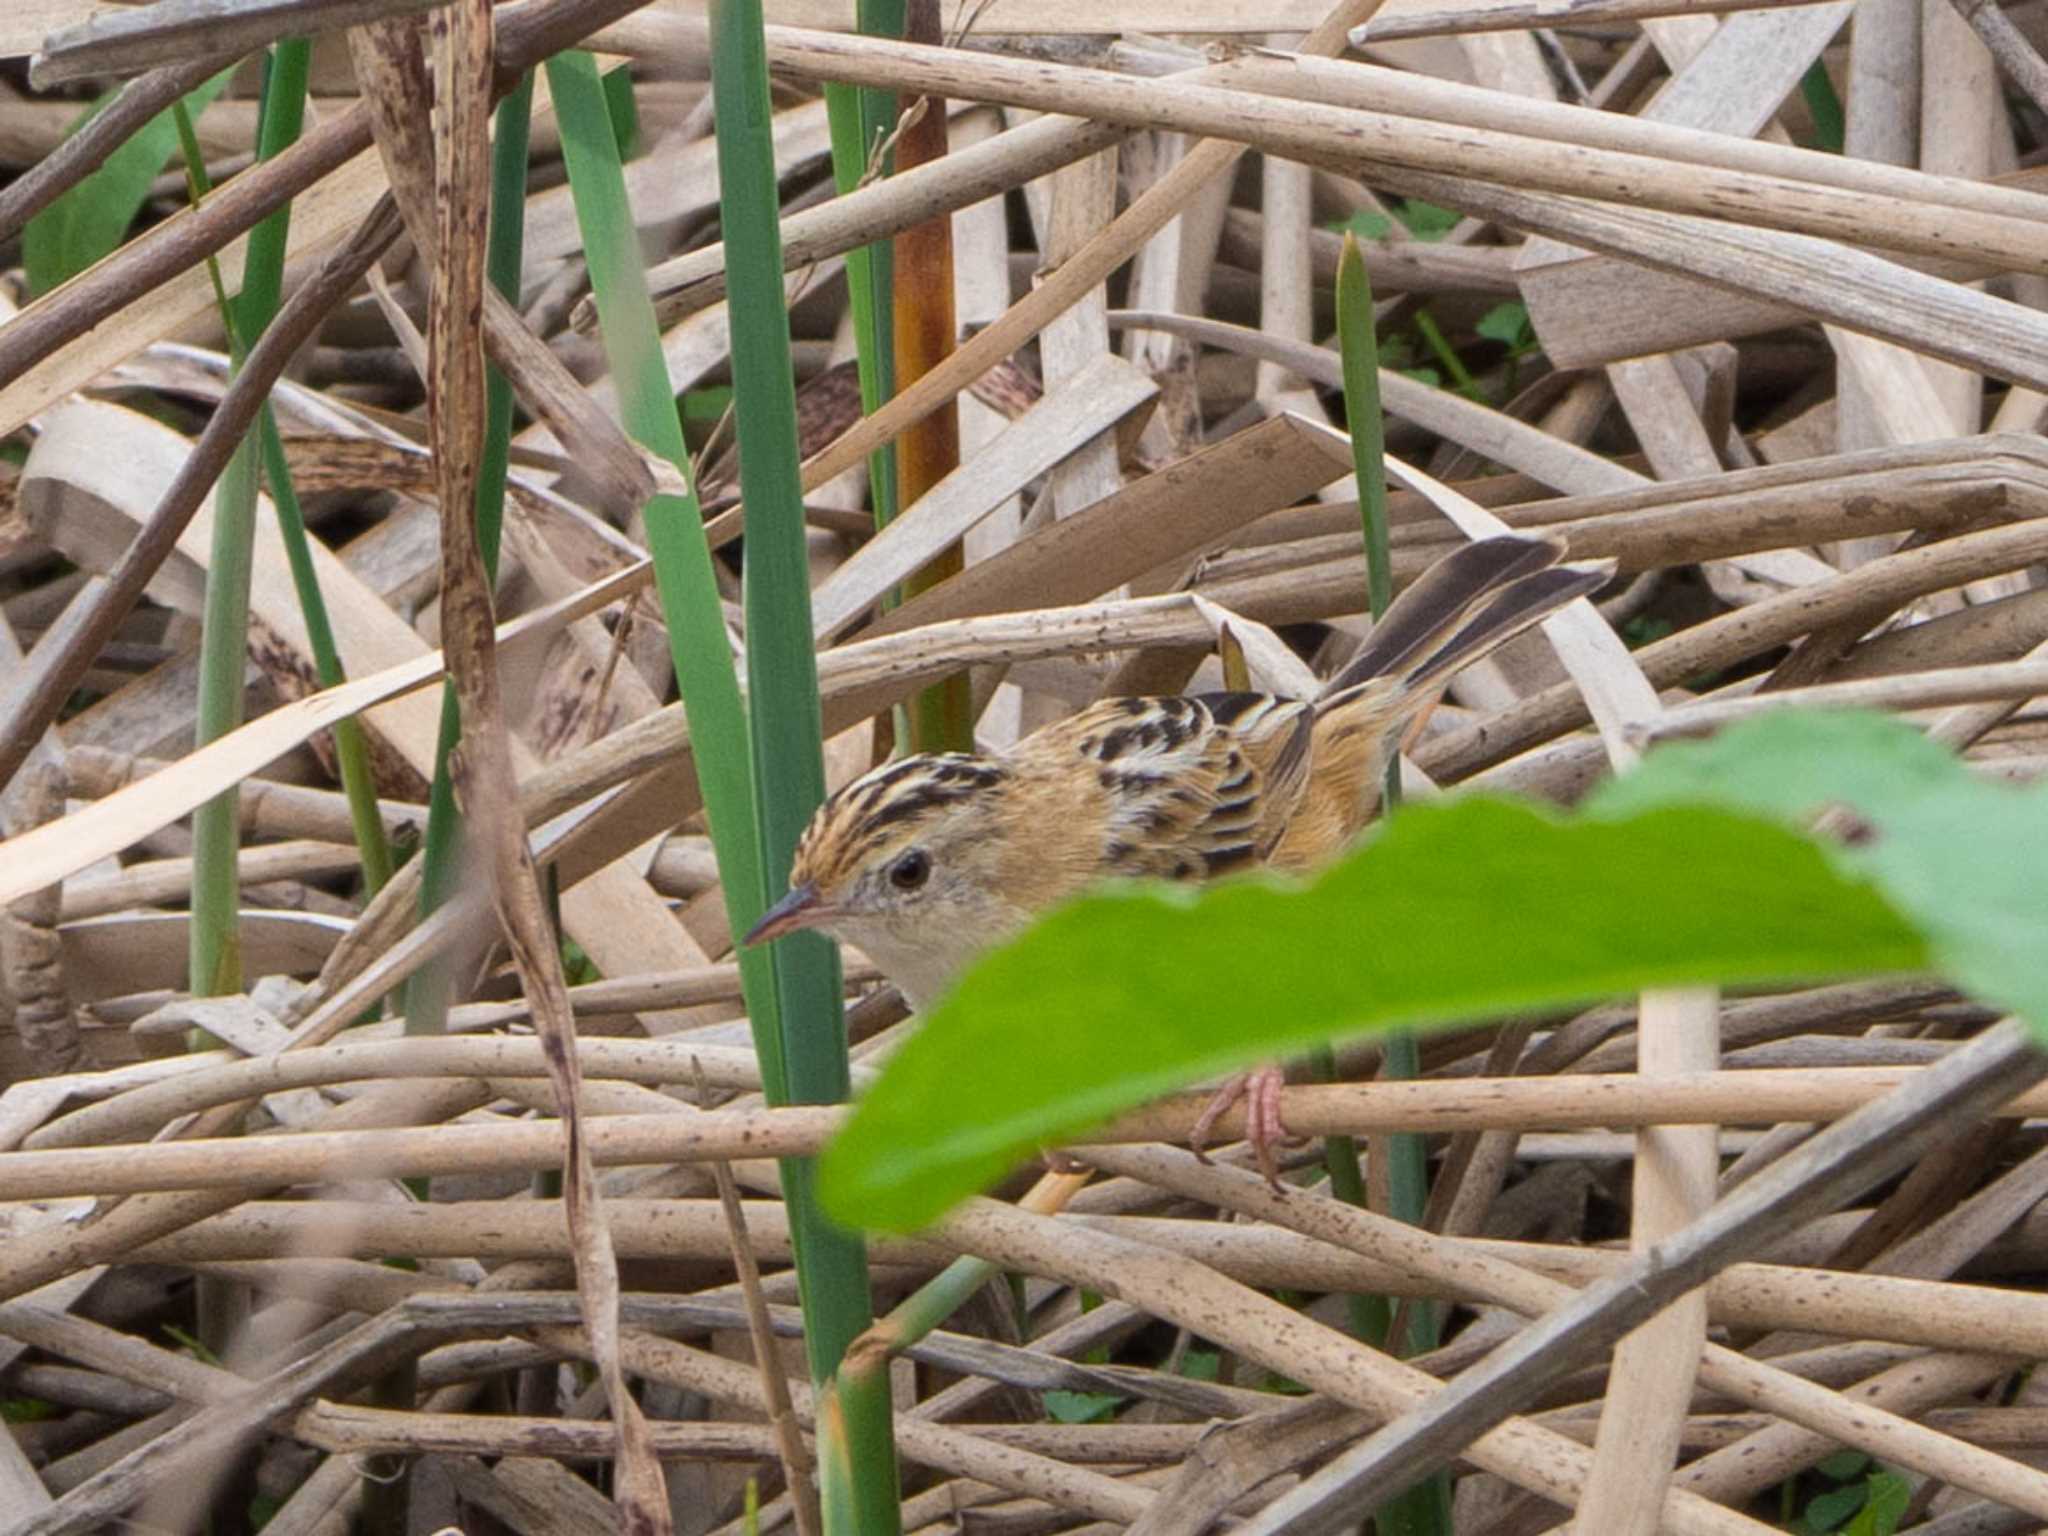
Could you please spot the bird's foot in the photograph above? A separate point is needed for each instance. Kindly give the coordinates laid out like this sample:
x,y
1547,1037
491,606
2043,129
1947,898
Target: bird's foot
x,y
1265,1129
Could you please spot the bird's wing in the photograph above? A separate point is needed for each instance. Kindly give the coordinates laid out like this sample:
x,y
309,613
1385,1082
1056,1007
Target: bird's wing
x,y
1277,734
1194,787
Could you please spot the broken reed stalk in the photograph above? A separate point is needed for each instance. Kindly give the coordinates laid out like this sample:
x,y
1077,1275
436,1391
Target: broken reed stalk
x,y
481,766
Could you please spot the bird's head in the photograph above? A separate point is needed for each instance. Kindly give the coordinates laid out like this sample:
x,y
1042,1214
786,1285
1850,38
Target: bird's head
x,y
909,863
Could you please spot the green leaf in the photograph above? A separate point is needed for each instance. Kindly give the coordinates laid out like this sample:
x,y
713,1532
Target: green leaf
x,y
1366,224
1507,323
1824,1512
1965,858
1081,1407
1889,1494
1830,124
1696,868
89,220
1426,221
1643,629
1465,909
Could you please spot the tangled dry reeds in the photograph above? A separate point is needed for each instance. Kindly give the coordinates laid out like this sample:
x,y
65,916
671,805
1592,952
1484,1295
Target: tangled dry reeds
x,y
1748,300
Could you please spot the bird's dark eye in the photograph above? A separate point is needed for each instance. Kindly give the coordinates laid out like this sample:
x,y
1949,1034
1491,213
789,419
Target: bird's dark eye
x,y
910,872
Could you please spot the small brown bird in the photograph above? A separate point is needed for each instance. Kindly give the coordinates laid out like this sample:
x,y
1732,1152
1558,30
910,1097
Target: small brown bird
x,y
925,862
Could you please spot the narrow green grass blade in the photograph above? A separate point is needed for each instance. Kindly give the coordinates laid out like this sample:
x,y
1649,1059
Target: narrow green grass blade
x,y
624,107
1454,367
198,187
284,114
427,994
1358,345
831,1267
1424,1510
288,79
675,527
784,720
782,686
214,954
215,960
861,119
351,750
504,257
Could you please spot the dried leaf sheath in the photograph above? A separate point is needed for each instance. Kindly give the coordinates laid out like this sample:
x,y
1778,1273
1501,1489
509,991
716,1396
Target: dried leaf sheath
x,y
482,764
925,331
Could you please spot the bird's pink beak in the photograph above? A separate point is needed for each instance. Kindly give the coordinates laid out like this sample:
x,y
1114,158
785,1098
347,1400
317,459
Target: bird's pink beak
x,y
802,908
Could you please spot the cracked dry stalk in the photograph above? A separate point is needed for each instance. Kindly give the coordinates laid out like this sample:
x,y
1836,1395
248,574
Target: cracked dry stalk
x,y
33,953
460,44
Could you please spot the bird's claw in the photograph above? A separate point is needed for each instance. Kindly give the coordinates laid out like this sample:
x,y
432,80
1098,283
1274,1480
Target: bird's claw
x,y
1265,1128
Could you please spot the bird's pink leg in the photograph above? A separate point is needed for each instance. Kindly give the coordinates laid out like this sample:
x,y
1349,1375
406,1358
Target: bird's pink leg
x,y
1264,1127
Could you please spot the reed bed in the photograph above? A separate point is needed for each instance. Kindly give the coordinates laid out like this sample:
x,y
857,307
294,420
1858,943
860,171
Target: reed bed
x,y
472,1187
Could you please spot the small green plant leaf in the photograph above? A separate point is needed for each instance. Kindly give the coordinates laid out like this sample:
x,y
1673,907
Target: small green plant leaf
x,y
1366,224
1202,1365
1887,1495
1824,104
1828,1511
1427,221
89,220
1081,1407
1470,908
1507,323
1643,629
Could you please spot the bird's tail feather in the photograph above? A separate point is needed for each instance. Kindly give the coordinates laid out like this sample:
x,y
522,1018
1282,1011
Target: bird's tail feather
x,y
1516,607
1436,601
1469,602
